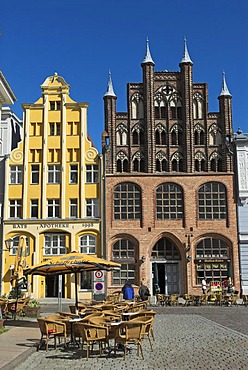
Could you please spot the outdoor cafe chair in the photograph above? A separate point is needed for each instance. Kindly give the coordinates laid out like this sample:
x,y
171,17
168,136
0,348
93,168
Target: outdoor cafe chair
x,y
91,334
129,332
189,299
51,329
146,328
204,299
173,300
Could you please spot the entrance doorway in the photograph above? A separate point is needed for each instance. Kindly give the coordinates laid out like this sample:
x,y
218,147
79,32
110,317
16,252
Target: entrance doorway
x,y
168,277
52,286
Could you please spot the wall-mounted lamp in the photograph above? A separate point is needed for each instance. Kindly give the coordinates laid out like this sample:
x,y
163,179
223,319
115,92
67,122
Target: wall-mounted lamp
x,y
143,258
9,244
189,258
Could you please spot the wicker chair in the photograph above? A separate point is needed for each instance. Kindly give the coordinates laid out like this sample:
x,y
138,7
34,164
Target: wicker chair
x,y
92,333
129,332
51,329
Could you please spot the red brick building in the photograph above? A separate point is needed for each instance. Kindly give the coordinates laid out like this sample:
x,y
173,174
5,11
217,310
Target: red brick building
x,y
170,210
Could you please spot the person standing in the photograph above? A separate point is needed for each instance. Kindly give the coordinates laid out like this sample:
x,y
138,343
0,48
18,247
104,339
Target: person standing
x,y
144,292
204,285
128,291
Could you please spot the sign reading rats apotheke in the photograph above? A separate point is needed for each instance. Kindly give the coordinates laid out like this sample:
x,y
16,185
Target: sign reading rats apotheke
x,y
47,225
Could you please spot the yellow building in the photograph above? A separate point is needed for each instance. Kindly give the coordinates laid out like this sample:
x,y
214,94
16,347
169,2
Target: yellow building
x,y
52,196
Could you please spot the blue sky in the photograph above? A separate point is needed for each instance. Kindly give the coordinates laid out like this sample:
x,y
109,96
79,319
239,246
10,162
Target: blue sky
x,y
83,39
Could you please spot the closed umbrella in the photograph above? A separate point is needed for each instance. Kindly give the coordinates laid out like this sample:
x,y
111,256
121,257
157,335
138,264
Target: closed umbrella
x,y
72,262
156,281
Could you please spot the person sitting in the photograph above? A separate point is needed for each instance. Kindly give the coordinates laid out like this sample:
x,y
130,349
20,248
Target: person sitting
x,y
128,291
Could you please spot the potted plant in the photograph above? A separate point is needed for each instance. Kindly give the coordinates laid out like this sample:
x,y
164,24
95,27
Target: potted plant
x,y
32,309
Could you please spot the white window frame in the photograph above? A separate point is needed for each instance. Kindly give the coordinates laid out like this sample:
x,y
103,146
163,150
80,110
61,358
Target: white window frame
x,y
91,207
87,244
91,173
16,175
53,174
16,205
15,243
73,211
54,244
54,206
73,173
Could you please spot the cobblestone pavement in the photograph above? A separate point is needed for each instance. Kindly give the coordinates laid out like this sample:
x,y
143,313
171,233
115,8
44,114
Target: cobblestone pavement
x,y
185,338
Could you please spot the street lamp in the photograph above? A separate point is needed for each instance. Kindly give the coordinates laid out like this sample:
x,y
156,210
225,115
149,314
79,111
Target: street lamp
x,y
9,244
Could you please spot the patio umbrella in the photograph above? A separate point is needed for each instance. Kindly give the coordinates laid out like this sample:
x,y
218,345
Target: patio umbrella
x,y
156,280
72,262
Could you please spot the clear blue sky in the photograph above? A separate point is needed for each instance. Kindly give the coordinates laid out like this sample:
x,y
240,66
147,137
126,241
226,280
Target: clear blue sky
x,y
83,39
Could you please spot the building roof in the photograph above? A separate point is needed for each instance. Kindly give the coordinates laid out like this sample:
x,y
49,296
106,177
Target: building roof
x,y
148,57
186,58
6,94
224,89
110,89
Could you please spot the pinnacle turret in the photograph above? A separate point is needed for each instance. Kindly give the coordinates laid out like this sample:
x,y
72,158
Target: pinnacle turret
x,y
148,57
224,89
110,89
186,58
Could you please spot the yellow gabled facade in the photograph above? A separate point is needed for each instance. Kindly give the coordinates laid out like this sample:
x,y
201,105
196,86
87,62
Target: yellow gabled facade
x,y
52,193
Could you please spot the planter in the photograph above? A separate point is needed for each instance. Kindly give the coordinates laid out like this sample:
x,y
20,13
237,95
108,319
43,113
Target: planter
x,y
32,311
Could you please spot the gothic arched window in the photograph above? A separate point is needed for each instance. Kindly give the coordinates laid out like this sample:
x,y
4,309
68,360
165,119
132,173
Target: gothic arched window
x,y
212,201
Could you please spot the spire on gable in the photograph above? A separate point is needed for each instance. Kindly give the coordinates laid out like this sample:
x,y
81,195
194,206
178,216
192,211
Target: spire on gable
x,y
186,58
148,57
110,89
224,89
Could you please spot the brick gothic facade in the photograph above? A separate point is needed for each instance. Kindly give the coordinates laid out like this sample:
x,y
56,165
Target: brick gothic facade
x,y
170,209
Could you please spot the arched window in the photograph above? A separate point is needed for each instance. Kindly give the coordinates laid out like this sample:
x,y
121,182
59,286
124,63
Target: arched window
x,y
87,244
137,106
175,107
138,135
160,107
212,201
216,250
124,252
160,134
199,135
165,249
161,162
197,106
122,162
215,162
214,135
169,202
121,135
138,162
177,162
176,135
127,202
200,162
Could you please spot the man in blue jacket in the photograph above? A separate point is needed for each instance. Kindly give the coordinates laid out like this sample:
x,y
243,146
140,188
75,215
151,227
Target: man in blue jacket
x,y
127,290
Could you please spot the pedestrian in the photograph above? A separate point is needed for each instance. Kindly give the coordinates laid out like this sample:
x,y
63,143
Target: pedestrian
x,y
127,290
144,292
204,285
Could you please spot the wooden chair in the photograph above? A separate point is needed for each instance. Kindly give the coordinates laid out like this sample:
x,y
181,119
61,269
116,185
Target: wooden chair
x,y
92,333
146,328
188,299
129,332
173,300
146,313
51,329
245,300
161,300
204,300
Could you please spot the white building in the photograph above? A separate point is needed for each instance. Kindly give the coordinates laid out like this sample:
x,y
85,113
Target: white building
x,y
241,143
